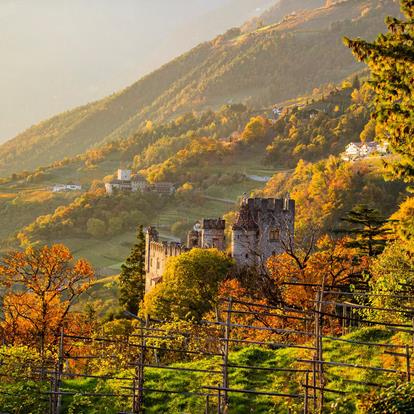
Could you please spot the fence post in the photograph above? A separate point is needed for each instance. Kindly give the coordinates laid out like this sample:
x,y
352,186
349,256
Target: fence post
x,y
60,370
138,400
227,331
407,360
319,346
306,404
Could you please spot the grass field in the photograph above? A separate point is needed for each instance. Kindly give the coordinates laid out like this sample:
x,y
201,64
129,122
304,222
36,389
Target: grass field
x,y
251,379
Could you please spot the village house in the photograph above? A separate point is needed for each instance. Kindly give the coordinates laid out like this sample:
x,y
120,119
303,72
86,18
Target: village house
x,y
357,150
127,182
59,188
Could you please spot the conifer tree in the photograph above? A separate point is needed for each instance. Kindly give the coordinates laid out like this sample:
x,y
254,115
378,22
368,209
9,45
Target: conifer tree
x,y
132,277
367,227
391,60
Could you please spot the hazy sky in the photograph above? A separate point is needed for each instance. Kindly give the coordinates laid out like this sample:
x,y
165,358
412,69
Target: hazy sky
x,y
57,54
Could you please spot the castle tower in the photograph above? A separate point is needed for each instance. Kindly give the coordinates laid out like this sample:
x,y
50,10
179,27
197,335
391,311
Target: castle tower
x,y
151,235
212,234
124,175
194,237
264,226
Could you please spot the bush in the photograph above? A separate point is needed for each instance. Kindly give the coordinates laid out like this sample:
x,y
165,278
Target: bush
x,y
395,400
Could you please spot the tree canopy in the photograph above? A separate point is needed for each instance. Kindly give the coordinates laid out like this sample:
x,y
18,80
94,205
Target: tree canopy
x,y
391,60
132,277
42,284
190,285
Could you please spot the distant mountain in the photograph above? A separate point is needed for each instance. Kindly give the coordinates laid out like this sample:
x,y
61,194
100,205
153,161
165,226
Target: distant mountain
x,y
274,63
61,54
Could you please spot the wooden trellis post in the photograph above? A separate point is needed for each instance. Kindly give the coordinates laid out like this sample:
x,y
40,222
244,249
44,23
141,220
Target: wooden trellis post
x,y
227,332
138,383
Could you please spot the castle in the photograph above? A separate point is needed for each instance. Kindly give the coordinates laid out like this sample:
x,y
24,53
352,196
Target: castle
x,y
263,227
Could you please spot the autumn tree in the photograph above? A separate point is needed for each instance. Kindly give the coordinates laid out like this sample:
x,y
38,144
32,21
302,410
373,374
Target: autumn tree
x,y
132,277
403,223
190,285
256,130
393,274
42,285
323,262
391,60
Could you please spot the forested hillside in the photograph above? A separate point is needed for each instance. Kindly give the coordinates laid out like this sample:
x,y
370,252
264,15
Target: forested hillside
x,y
213,158
276,62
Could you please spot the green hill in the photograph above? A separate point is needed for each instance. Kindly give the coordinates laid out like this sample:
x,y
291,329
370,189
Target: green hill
x,y
274,63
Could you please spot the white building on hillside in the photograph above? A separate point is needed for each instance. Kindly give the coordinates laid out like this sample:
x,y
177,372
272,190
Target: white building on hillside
x,y
125,181
58,188
356,150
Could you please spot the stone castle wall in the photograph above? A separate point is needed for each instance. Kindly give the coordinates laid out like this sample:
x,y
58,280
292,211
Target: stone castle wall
x,y
156,256
263,227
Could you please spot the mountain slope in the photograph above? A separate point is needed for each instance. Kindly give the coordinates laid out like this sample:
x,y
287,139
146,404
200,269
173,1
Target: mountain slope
x,y
272,64
284,7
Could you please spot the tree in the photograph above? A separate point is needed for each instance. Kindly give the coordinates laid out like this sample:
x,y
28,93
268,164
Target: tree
x,y
190,285
132,277
320,262
96,227
42,286
368,228
393,274
403,220
256,130
391,60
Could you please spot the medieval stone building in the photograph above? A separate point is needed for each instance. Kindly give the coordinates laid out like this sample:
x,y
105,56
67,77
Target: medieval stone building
x,y
263,226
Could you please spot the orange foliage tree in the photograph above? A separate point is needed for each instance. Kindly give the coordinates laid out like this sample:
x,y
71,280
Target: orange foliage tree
x,y
300,272
41,286
289,284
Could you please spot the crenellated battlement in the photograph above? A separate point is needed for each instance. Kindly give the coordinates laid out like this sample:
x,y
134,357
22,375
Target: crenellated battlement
x,y
270,204
213,224
168,248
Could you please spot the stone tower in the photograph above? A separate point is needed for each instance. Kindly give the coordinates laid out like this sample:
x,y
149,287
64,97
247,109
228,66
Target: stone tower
x,y
194,236
151,235
212,234
264,226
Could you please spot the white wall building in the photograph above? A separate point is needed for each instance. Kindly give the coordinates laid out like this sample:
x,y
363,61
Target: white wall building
x,y
356,150
124,175
125,181
58,188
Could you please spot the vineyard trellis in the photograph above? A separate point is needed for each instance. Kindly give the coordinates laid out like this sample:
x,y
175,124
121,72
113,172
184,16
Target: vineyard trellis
x,y
310,334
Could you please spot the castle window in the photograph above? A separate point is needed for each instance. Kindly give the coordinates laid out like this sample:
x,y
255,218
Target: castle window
x,y
274,235
158,264
247,256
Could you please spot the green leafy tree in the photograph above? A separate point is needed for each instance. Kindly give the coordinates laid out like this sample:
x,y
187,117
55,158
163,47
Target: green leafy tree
x,y
96,227
393,274
132,277
397,399
391,60
19,392
367,227
190,285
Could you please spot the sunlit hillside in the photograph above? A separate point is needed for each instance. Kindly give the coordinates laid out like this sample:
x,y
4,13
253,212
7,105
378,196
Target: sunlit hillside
x,y
276,62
